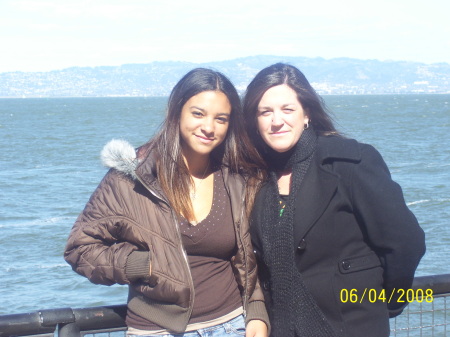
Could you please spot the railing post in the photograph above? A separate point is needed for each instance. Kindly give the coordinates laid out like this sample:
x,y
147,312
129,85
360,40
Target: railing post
x,y
69,330
63,318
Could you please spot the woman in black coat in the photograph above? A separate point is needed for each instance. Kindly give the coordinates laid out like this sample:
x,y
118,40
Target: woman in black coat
x,y
337,245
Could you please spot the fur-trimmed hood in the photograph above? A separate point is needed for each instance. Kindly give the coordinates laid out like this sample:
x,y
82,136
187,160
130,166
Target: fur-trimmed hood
x,y
120,155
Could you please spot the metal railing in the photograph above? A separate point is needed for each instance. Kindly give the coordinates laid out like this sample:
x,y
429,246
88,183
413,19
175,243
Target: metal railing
x,y
66,322
421,318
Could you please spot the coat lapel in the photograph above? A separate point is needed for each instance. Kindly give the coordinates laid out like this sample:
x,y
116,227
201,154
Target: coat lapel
x,y
320,183
312,198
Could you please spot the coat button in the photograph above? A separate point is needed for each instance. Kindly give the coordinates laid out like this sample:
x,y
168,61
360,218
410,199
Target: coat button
x,y
266,285
346,265
302,245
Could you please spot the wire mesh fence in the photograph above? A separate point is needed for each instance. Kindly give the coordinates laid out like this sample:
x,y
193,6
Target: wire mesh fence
x,y
424,319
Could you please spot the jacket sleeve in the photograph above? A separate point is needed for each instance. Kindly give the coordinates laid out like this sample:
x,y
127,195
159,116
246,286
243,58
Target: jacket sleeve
x,y
257,307
96,247
246,268
391,227
256,303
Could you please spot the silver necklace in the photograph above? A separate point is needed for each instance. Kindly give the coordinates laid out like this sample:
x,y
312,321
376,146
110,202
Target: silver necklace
x,y
194,192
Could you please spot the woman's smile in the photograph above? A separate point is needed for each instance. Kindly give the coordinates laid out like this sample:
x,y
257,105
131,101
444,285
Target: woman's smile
x,y
204,139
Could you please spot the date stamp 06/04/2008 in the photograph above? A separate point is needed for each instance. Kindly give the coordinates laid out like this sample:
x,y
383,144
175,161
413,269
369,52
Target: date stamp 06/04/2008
x,y
374,295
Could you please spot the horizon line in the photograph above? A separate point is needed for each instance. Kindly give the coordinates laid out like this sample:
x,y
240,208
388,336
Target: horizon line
x,y
228,60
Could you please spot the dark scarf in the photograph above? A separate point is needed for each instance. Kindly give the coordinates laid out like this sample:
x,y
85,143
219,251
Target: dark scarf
x,y
295,312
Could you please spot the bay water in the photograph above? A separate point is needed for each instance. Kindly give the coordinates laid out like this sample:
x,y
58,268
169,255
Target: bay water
x,y
49,166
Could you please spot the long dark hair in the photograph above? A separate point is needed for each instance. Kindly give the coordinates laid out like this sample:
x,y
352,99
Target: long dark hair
x,y
236,151
278,74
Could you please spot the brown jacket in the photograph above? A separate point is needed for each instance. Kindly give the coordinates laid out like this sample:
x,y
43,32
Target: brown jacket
x,y
128,225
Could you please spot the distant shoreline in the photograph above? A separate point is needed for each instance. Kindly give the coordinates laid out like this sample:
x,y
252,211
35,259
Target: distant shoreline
x,y
323,95
340,76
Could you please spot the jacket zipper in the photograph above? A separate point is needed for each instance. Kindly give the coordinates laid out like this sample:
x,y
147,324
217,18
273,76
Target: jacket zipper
x,y
183,251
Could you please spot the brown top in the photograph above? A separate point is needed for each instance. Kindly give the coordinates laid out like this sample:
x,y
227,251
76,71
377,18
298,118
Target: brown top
x,y
209,246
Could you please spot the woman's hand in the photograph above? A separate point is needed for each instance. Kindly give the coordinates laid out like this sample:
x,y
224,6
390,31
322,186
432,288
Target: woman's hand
x,y
256,328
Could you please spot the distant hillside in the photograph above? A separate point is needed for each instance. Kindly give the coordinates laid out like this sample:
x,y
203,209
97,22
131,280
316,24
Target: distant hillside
x,y
333,76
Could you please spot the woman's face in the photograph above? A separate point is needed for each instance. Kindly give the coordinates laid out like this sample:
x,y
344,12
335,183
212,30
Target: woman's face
x,y
204,122
280,118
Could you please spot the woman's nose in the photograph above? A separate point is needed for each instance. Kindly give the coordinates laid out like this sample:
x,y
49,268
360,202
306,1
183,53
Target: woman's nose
x,y
208,125
276,118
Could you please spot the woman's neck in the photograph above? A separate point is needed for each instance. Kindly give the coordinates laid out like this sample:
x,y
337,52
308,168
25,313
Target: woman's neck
x,y
284,182
199,166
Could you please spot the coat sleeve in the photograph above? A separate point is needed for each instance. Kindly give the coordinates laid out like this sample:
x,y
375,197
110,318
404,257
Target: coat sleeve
x,y
96,247
256,303
391,228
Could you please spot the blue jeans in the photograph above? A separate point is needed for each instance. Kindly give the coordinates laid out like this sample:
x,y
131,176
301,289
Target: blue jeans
x,y
233,328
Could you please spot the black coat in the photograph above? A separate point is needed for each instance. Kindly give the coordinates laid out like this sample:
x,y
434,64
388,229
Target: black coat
x,y
352,230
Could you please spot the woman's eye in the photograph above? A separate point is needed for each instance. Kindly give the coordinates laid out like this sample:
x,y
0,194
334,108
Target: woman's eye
x,y
265,113
222,120
197,113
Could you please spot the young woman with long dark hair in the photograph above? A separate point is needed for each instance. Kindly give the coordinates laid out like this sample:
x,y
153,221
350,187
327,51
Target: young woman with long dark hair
x,y
169,220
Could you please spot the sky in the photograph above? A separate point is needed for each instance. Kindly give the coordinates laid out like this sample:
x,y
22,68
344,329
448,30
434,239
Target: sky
x,y
56,34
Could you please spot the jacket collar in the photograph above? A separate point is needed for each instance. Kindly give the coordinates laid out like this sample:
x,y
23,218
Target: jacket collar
x,y
146,171
337,148
235,186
